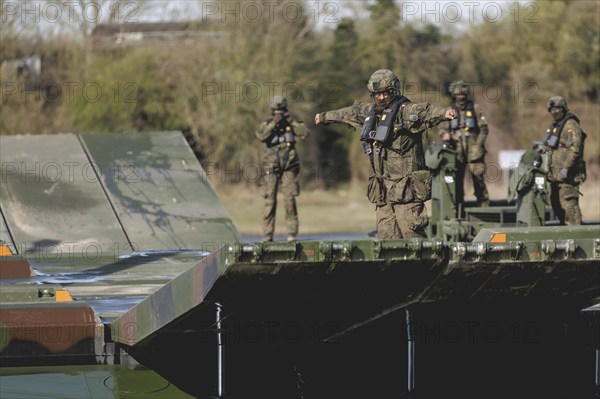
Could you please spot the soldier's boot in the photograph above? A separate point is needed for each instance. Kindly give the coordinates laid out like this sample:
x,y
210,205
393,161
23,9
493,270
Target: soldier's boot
x,y
291,237
267,239
483,203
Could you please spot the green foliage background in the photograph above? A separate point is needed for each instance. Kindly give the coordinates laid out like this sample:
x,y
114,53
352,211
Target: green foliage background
x,y
216,89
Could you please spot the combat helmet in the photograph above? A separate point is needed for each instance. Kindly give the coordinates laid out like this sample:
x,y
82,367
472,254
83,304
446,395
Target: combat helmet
x,y
557,101
278,102
384,80
459,87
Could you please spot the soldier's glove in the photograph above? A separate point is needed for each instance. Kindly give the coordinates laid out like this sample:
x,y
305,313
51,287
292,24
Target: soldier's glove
x,y
277,116
287,116
563,174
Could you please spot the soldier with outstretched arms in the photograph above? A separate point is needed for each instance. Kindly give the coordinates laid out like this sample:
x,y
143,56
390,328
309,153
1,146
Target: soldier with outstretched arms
x,y
391,131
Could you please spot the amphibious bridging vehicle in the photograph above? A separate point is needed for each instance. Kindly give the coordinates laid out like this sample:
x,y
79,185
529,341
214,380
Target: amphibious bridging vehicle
x,y
123,276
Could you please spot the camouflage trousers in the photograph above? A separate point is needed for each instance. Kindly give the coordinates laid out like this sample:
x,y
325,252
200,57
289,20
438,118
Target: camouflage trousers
x,y
290,188
477,174
395,221
565,203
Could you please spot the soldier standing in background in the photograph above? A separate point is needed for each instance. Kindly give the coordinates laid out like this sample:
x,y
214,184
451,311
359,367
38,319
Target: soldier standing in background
x,y
392,129
564,142
467,134
281,166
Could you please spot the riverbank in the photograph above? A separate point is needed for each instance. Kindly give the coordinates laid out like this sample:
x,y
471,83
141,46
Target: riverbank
x,y
334,211
343,210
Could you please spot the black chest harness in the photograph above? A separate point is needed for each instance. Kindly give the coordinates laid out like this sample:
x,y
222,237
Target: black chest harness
x,y
378,130
470,120
553,133
282,135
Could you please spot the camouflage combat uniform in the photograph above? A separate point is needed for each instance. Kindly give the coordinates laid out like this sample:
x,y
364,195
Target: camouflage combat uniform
x,y
469,132
401,182
281,168
565,142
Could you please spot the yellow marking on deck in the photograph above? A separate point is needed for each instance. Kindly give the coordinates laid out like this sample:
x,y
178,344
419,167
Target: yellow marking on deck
x,y
498,237
5,250
63,296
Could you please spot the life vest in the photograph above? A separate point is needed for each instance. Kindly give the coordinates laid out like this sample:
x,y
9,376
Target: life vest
x,y
553,133
470,120
282,135
378,131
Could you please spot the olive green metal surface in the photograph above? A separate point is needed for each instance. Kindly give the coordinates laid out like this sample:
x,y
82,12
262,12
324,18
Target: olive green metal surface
x,y
159,191
106,220
87,382
51,198
107,194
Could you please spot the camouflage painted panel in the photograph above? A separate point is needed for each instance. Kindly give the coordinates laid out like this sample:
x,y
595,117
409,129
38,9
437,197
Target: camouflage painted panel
x,y
160,192
51,198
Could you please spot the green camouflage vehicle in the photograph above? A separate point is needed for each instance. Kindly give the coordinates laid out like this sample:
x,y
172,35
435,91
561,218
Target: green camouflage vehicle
x,y
123,276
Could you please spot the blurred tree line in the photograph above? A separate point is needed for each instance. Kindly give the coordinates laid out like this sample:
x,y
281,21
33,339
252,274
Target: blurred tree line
x,y
216,89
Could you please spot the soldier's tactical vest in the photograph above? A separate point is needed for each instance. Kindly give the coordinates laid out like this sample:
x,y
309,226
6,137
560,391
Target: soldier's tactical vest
x,y
553,133
577,173
470,120
381,133
282,135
